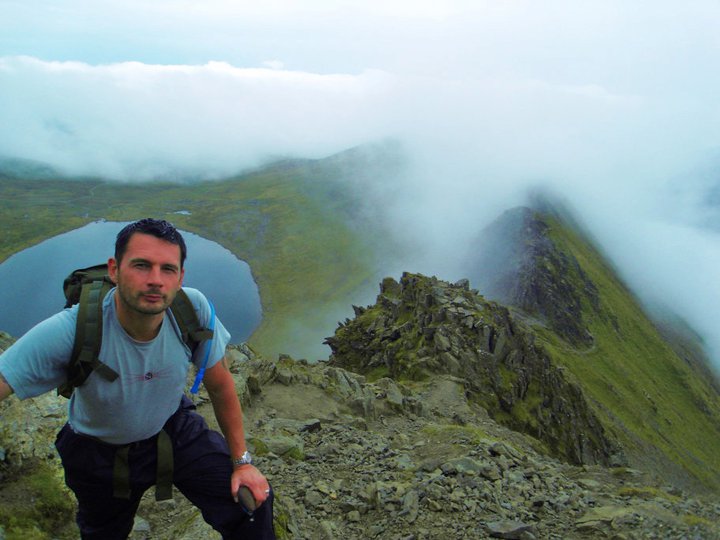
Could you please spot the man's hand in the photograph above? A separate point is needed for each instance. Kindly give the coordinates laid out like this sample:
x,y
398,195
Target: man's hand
x,y
250,477
5,389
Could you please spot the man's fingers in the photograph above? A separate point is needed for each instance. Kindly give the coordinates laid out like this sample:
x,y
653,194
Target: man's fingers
x,y
253,483
261,494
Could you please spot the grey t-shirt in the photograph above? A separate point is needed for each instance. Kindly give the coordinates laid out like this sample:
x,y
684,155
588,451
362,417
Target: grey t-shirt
x,y
152,374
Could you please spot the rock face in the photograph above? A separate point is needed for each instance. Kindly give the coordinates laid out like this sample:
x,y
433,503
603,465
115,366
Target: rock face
x,y
421,327
516,262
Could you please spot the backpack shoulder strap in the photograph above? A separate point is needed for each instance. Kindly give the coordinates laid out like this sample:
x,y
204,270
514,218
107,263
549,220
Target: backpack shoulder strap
x,y
88,337
192,332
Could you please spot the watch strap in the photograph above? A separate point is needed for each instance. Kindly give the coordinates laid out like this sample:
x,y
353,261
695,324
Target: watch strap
x,y
245,459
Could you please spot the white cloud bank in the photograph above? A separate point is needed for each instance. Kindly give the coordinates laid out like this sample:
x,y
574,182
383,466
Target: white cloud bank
x,y
613,104
134,121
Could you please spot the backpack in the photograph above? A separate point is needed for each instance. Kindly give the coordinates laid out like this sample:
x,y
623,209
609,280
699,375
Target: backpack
x,y
88,287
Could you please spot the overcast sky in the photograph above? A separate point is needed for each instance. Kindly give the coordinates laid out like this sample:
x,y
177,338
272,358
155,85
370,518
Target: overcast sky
x,y
611,103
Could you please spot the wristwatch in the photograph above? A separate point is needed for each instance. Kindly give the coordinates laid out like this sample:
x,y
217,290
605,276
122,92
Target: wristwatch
x,y
245,459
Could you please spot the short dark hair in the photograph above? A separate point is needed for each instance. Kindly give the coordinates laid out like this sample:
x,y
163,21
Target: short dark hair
x,y
159,228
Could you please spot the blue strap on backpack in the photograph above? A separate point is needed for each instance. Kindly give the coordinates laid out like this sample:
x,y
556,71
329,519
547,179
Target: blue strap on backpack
x,y
208,346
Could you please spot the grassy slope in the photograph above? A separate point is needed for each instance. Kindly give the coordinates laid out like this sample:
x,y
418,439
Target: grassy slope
x,y
284,221
638,381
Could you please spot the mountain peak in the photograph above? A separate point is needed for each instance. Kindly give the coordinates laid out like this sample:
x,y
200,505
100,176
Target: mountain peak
x,y
516,262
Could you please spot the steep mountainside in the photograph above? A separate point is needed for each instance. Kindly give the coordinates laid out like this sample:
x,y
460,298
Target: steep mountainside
x,y
650,388
520,265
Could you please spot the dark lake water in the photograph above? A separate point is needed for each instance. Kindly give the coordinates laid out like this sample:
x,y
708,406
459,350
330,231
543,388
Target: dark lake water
x,y
31,281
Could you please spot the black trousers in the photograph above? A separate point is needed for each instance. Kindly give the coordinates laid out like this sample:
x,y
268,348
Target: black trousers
x,y
201,472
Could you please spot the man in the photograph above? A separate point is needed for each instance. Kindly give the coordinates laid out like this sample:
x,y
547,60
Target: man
x,y
109,447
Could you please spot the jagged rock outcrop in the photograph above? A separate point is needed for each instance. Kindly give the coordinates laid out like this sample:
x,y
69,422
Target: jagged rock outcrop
x,y
421,327
516,262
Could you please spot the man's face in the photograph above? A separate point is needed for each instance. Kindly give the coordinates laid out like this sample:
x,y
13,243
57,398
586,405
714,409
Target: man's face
x,y
149,275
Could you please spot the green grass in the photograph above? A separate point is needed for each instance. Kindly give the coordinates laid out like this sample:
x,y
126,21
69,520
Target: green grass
x,y
647,492
51,512
455,434
633,377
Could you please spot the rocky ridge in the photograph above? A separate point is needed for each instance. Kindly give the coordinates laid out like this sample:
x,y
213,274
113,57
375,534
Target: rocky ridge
x,y
422,326
515,262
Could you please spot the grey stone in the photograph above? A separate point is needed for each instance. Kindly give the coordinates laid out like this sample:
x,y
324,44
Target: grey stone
x,y
284,376
502,449
411,505
313,499
141,525
285,446
463,283
403,462
364,406
393,395
463,465
327,530
511,530
603,514
442,342
376,530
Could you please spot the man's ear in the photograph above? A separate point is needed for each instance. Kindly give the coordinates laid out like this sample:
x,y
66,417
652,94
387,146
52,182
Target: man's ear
x,y
112,270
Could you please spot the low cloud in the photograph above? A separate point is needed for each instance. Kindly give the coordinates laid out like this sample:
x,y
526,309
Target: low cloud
x,y
133,121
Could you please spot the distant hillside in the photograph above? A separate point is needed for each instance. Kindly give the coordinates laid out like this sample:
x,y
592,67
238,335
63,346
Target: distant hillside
x,y
27,169
311,247
649,384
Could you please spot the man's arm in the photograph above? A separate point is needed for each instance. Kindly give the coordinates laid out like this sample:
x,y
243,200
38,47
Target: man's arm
x,y
221,387
5,389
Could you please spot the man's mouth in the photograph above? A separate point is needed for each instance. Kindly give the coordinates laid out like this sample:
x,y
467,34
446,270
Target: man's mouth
x,y
153,297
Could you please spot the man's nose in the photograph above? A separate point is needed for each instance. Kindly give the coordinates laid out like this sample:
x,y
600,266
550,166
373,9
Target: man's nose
x,y
155,275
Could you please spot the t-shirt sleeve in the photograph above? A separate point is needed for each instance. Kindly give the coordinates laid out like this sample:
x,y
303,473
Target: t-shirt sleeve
x,y
37,362
221,337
